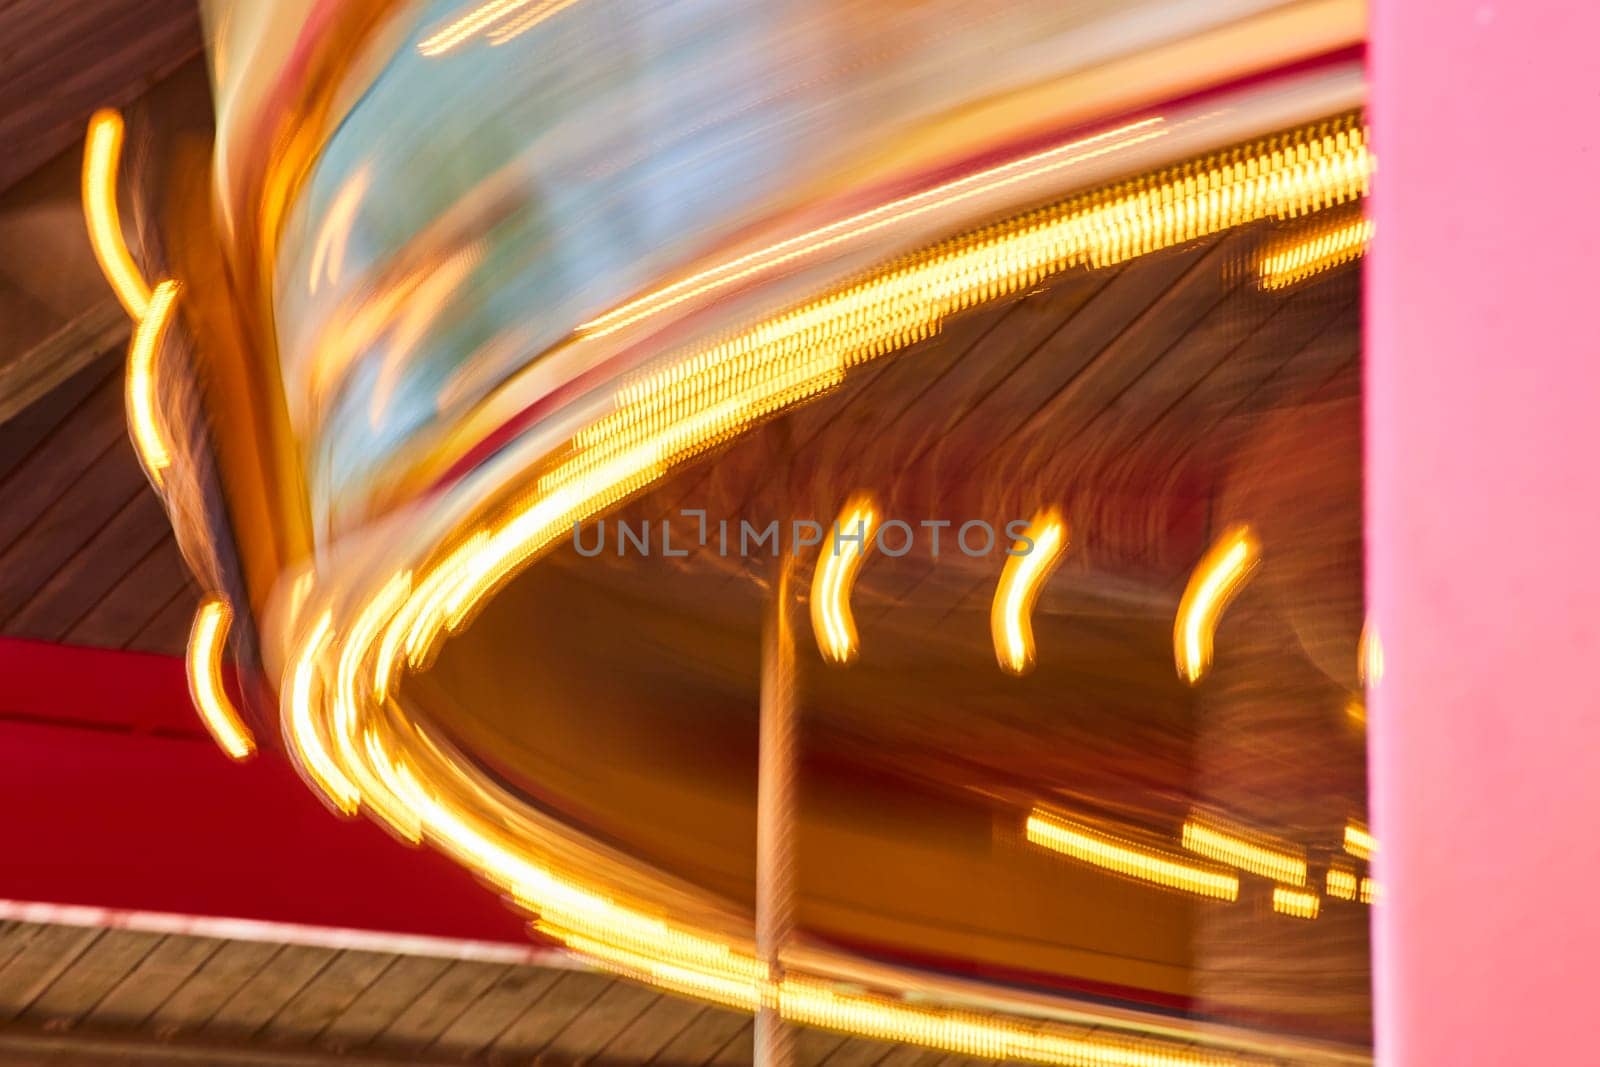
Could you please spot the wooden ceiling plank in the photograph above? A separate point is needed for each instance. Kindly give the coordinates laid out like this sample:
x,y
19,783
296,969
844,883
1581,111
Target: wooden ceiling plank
x,y
857,1052
325,998
167,632
92,975
494,1011
381,1003
705,1035
129,605
73,58
23,433
85,341
60,459
642,1040
591,1031
147,986
813,1047
534,1029
265,993
78,583
740,1048
200,996
80,509
43,955
452,993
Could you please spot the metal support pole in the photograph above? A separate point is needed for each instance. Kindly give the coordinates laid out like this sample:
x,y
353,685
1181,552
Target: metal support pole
x,y
776,812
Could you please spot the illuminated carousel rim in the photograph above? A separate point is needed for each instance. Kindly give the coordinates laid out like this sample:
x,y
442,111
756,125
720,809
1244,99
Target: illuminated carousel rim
x,y
355,639
345,720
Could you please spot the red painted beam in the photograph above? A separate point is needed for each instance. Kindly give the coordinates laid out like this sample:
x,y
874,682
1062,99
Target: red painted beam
x,y
116,798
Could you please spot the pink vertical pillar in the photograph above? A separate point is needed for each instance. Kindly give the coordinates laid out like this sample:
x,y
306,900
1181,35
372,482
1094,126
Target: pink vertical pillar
x,y
1483,518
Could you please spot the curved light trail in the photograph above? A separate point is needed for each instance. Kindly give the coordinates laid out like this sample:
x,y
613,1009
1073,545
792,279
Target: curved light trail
x,y
203,662
1220,575
1011,617
844,550
102,154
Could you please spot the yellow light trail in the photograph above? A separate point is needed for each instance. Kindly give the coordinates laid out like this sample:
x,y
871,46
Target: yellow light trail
x,y
102,154
501,19
303,734
683,407
1011,617
1089,844
1300,903
510,31
1302,255
863,224
1246,849
1341,883
831,618
1358,842
1369,656
1217,579
203,661
144,422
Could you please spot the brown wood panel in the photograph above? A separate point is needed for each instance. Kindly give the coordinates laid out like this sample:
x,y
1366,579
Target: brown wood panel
x,y
514,992
167,631
135,998
642,1040
41,955
134,599
21,434
703,1038
571,993
67,523
813,1047
617,1007
740,1048
66,59
440,1004
61,458
266,992
78,584
856,1052
378,1005
324,999
98,970
203,993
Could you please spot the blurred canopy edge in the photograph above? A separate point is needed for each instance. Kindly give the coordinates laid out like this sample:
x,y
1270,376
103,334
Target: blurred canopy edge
x,y
458,233
511,165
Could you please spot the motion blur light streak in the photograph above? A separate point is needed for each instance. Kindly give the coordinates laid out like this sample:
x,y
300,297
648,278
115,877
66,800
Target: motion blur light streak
x,y
705,397
327,254
1369,655
204,665
1011,617
1371,892
831,618
811,1003
101,155
1358,842
1341,883
1216,581
509,31
1302,904
144,422
1092,845
1283,263
682,406
866,223
486,16
1246,849
303,735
